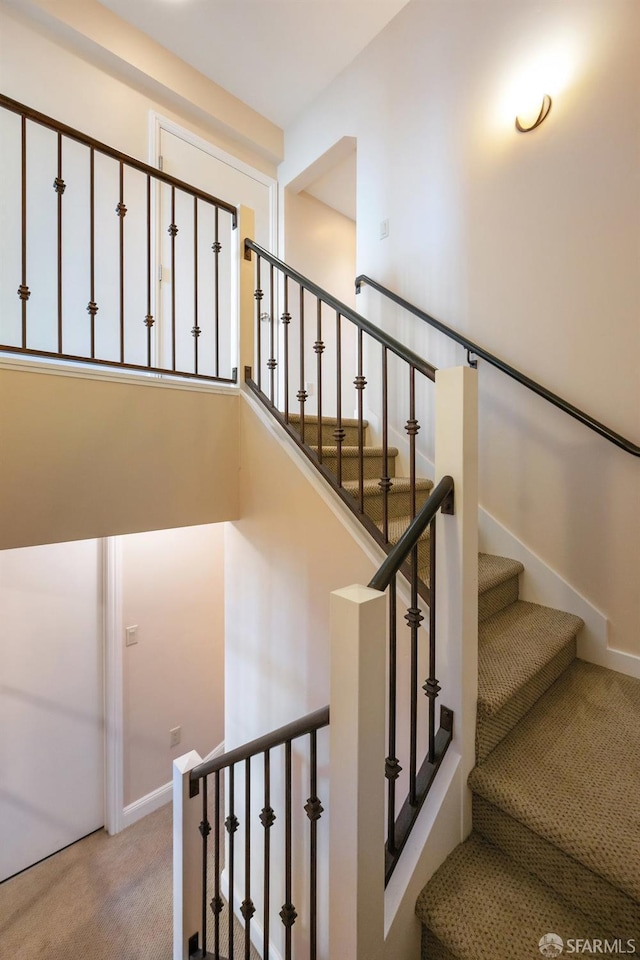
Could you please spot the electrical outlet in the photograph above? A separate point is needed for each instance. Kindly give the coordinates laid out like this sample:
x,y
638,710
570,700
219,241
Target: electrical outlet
x,y
131,635
384,229
174,736
309,386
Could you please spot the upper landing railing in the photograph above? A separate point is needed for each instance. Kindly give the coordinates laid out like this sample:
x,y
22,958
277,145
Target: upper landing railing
x,y
84,230
473,351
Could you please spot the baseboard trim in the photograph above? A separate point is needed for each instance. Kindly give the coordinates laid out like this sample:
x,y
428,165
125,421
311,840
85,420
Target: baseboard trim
x,y
540,583
157,798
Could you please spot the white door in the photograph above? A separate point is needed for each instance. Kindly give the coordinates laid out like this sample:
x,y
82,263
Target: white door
x,y
51,700
197,163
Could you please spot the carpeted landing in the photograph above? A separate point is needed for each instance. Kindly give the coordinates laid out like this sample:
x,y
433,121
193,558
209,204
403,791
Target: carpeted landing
x,y
555,847
104,898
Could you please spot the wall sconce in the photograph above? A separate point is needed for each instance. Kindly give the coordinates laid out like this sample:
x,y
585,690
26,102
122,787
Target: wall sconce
x,y
544,112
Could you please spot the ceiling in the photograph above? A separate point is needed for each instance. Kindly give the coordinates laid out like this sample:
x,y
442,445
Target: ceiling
x,y
275,55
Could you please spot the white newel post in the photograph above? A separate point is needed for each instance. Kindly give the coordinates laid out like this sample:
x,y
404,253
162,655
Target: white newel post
x,y
246,290
187,857
456,442
356,851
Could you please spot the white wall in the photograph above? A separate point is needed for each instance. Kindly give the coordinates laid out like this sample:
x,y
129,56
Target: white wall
x,y
173,591
529,244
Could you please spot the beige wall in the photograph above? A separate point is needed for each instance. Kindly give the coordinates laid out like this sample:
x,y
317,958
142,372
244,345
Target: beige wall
x,y
529,244
85,458
173,591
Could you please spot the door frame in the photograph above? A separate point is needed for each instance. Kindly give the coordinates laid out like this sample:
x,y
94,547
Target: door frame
x,y
113,684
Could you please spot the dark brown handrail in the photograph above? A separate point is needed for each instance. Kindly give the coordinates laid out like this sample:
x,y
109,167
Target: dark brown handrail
x,y
22,110
325,297
568,408
440,497
291,731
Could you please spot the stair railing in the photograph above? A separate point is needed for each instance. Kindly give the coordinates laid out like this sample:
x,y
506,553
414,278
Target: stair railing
x,y
474,351
399,825
99,216
339,384
200,904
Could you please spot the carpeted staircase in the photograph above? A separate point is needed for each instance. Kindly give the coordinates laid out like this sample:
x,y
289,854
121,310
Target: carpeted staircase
x,y
555,847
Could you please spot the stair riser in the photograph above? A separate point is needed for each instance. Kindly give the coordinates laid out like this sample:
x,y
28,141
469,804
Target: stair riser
x,y
398,504
350,466
616,913
432,948
491,731
311,434
497,598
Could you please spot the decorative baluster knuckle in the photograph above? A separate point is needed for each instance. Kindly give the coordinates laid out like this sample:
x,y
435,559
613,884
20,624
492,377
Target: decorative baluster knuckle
x,y
385,483
148,321
232,823
414,617
318,346
59,186
172,230
431,688
204,828
272,363
92,308
121,209
247,908
360,383
302,395
23,292
313,808
288,914
267,817
339,434
217,906
259,294
392,768
286,318
195,331
412,427
216,247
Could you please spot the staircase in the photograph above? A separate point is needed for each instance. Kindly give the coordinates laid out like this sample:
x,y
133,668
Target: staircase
x,y
555,846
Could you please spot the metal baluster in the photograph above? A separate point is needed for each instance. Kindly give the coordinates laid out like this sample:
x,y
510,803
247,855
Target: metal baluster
x,y
232,825
319,350
414,618
205,830
92,306
360,383
385,481
286,321
195,330
314,810
23,290
302,393
338,433
267,818
148,320
432,687
247,909
258,295
121,210
392,766
288,913
412,426
59,187
173,232
216,903
217,247
272,363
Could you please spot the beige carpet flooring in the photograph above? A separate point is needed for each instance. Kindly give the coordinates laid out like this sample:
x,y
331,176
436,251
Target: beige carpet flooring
x,y
104,898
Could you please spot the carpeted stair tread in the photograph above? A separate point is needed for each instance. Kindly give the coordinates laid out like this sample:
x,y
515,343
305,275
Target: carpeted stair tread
x,y
480,905
372,486
514,645
329,450
397,526
328,421
494,570
559,772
